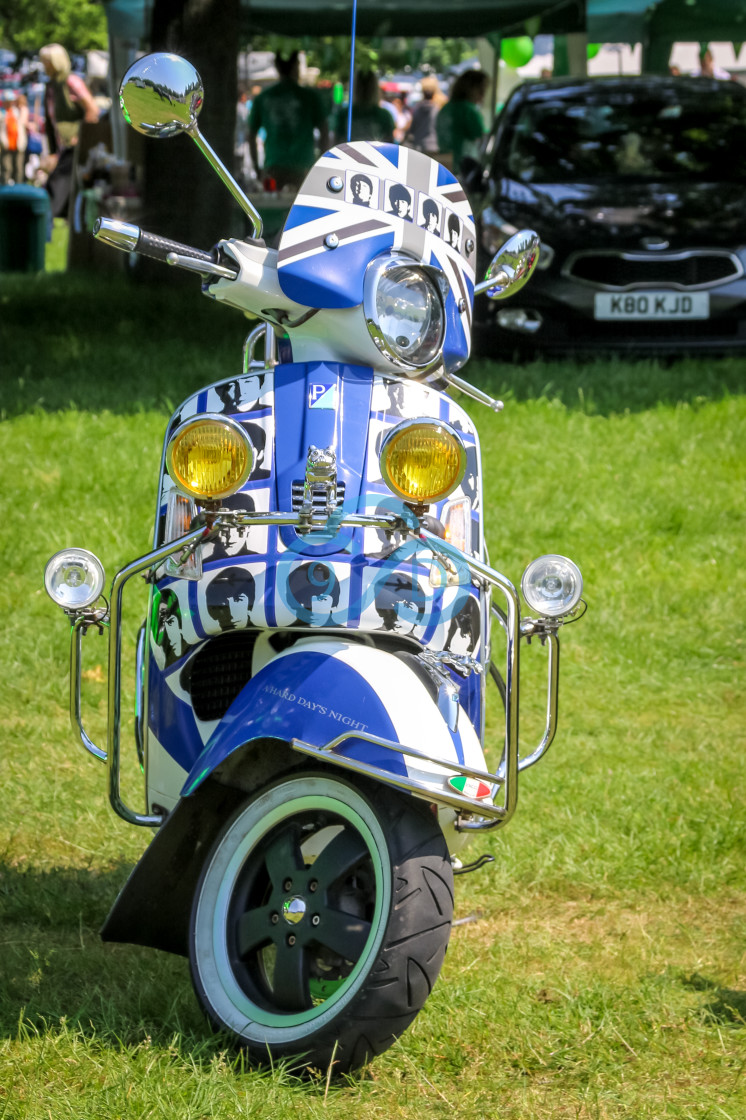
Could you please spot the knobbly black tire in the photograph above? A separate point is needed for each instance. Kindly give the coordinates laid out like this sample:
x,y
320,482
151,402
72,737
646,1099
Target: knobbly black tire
x,y
404,951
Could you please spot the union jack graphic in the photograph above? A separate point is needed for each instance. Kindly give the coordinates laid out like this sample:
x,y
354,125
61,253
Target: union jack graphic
x,y
361,199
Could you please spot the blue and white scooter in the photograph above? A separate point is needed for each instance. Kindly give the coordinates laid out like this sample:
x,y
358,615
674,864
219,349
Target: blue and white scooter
x,y
311,674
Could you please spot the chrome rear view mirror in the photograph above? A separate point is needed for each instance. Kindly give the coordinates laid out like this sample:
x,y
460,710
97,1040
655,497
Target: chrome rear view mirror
x,y
511,266
161,95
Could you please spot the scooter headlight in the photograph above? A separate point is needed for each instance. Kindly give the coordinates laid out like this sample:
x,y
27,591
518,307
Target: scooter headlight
x,y
552,585
422,461
74,578
209,457
404,312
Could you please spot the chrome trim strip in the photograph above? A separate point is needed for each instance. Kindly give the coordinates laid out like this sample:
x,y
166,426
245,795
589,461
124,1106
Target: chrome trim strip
x,y
251,364
151,560
140,690
80,625
496,813
550,729
509,761
652,257
470,390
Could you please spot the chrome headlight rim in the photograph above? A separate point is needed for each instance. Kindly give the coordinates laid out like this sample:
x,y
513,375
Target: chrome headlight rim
x,y
89,558
233,426
437,426
376,270
540,607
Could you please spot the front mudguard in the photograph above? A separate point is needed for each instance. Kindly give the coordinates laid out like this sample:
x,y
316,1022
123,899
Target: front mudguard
x,y
352,702
304,698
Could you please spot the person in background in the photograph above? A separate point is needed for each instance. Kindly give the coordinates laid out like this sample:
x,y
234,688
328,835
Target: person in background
x,y
460,125
386,104
708,67
403,117
240,145
370,121
421,133
13,138
289,113
67,103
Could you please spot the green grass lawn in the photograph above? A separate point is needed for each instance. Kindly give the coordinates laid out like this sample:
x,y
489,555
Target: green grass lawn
x,y
600,969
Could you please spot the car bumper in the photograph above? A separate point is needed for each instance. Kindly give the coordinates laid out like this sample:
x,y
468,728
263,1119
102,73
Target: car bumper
x,y
559,316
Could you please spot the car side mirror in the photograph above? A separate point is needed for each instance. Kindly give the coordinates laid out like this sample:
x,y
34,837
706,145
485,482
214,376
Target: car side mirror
x,y
472,176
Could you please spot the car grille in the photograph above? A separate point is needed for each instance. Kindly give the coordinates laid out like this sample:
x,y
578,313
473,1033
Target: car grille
x,y
219,672
318,498
619,272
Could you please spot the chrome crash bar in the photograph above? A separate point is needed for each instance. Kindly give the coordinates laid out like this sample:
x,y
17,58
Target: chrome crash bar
x,y
510,764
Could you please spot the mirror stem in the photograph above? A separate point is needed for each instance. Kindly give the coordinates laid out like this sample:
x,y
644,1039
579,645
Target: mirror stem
x,y
245,203
499,280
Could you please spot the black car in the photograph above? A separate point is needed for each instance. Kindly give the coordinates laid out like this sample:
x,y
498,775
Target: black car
x,y
637,189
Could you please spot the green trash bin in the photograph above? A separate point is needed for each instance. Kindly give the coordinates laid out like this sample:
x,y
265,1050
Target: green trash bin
x,y
24,223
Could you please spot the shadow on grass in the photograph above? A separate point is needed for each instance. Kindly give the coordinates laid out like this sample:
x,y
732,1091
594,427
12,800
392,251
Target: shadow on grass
x,y
726,1005
54,968
108,342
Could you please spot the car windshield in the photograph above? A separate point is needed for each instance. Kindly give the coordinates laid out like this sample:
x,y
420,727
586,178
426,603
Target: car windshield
x,y
587,134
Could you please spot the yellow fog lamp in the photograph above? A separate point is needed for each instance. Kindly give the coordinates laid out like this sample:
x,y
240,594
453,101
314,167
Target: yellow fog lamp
x,y
74,579
209,457
422,461
552,585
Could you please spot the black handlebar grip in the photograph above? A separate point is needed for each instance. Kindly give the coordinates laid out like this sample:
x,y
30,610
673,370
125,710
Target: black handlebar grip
x,y
151,245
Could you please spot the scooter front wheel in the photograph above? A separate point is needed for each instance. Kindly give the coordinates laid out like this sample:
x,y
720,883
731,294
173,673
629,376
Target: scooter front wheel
x,y
321,920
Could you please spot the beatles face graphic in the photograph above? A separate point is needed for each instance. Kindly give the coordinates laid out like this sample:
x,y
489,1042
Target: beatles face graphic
x,y
400,201
230,597
454,231
362,190
238,609
430,216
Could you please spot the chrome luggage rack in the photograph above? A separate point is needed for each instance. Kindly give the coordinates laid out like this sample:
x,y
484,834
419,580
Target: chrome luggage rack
x,y
473,815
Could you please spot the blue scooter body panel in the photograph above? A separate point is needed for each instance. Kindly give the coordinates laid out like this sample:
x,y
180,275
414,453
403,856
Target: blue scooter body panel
x,y
324,687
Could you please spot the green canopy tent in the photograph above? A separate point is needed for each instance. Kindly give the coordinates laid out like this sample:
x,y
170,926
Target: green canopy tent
x,y
658,24
423,18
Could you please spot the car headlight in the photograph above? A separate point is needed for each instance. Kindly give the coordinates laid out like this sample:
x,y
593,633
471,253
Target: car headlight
x,y
422,461
74,578
404,312
552,585
209,457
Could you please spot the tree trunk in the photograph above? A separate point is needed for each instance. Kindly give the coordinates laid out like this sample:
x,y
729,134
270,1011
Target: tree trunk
x,y
183,197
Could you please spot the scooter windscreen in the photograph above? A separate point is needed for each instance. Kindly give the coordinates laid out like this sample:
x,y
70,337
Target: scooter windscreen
x,y
362,200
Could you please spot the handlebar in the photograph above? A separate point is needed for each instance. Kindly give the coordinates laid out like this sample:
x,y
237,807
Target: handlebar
x,y
131,239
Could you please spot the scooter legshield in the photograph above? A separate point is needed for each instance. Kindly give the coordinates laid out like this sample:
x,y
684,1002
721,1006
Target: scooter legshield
x,y
322,688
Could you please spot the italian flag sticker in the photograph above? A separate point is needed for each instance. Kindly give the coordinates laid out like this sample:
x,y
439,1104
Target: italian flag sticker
x,y
470,787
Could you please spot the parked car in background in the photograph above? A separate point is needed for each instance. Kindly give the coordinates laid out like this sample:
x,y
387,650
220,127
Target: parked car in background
x,y
636,187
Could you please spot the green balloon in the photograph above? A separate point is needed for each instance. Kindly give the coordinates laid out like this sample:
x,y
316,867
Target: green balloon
x,y
517,52
592,49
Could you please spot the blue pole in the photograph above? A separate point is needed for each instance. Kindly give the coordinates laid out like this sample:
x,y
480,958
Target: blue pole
x,y
352,70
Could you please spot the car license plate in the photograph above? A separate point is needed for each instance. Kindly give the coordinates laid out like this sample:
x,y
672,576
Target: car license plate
x,y
652,305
